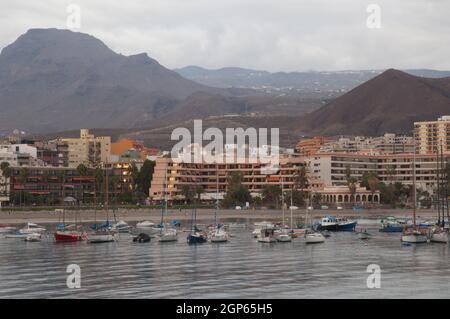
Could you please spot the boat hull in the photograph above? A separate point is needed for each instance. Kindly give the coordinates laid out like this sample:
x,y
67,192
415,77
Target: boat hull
x,y
439,238
338,227
314,239
364,236
168,237
196,239
392,229
267,239
414,239
94,239
68,237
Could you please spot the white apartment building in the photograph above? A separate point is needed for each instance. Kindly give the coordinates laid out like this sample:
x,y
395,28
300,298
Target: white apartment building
x,y
387,144
327,170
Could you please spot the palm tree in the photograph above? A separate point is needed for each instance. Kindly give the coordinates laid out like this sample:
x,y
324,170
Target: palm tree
x,y
351,183
188,193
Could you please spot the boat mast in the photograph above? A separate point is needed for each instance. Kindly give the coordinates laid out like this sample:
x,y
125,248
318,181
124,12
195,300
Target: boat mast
x,y
217,195
438,180
282,197
107,194
444,179
414,181
292,194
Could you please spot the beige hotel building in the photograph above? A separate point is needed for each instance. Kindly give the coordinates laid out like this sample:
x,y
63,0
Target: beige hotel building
x,y
431,135
88,149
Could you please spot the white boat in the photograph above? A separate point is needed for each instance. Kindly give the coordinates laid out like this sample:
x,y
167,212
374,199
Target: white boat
x,y
439,237
284,238
121,227
218,235
145,224
168,235
16,235
32,228
259,226
314,238
267,235
102,236
413,237
33,237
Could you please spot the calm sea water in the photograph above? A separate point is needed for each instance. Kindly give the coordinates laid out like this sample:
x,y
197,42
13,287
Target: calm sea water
x,y
241,268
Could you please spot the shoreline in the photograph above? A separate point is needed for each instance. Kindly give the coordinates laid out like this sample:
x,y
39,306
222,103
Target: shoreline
x,y
154,215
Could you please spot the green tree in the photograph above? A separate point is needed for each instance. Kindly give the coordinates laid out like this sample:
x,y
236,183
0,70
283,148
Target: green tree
x,y
82,170
237,194
351,182
271,195
6,169
145,176
188,192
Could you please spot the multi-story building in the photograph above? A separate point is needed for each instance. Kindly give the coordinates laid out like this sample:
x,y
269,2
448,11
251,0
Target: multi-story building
x,y
170,177
386,144
310,146
51,185
18,154
330,169
433,135
88,149
53,153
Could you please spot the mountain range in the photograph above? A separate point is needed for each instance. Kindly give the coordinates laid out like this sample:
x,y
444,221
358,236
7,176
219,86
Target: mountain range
x,y
53,80
290,82
59,81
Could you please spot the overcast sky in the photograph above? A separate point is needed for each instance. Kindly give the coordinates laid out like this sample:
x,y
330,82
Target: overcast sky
x,y
274,35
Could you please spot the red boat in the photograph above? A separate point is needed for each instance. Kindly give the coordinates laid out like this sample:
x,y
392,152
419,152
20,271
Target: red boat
x,y
68,236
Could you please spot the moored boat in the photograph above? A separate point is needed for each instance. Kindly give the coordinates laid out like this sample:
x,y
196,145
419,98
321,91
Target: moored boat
x,y
364,235
267,235
439,236
31,228
391,224
33,237
69,236
121,227
101,236
332,223
168,235
197,238
314,238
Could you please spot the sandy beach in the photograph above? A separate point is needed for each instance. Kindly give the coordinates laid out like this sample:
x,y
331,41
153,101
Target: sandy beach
x,y
205,215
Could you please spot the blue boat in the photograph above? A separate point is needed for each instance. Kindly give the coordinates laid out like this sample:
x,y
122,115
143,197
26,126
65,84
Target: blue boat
x,y
332,223
392,225
196,238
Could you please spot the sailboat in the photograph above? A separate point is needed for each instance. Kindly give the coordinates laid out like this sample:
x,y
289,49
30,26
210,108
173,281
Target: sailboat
x,y
311,236
68,233
196,236
218,234
440,234
282,235
413,236
103,234
166,234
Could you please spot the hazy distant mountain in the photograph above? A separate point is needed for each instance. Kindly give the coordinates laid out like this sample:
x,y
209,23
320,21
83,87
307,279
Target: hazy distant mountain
x,y
293,82
390,102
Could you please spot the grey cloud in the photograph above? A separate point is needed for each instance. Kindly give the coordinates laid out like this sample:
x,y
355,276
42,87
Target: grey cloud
x,y
272,35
